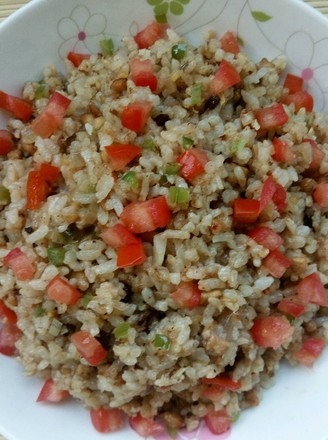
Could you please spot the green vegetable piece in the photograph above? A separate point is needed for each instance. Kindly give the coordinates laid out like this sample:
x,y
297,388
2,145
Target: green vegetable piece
x,y
237,145
40,91
4,196
87,297
121,331
178,51
131,179
196,94
187,142
162,342
39,311
163,180
172,169
55,327
235,417
179,196
107,47
56,255
149,144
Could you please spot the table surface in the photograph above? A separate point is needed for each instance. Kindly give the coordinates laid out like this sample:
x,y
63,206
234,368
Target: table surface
x,y
7,7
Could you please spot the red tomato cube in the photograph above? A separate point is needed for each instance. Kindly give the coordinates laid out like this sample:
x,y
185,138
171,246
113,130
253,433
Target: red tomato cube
x,y
19,108
187,295
225,77
317,154
222,381
20,264
62,291
142,74
293,83
118,236
37,189
6,142
301,99
271,117
217,422
229,43
146,427
282,151
107,419
311,290
51,394
273,191
320,195
49,173
246,210
77,58
311,350
134,116
88,347
9,335
276,263
121,154
7,315
131,255
192,163
150,34
266,237
271,331
291,307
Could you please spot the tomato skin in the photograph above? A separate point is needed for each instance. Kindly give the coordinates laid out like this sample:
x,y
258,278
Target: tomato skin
x,y
282,152
9,335
271,117
77,58
47,122
222,381
293,83
192,163
271,331
187,295
131,255
121,154
88,347
36,191
134,116
7,315
229,43
246,210
19,108
273,191
317,154
107,419
150,34
218,422
320,195
311,290
266,237
142,74
62,291
51,394
225,77
146,427
118,236
310,351
20,264
146,216
6,142
276,263
300,99
291,307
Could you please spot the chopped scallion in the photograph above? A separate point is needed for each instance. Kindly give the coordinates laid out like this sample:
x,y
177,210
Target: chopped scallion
x,y
163,179
149,144
179,196
40,91
162,342
178,51
39,311
131,179
187,142
196,94
55,327
87,297
56,255
121,331
4,196
107,47
172,169
237,145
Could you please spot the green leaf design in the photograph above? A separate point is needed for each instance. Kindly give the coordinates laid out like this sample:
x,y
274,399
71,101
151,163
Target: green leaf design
x,y
184,2
176,8
154,2
240,41
161,9
261,16
161,18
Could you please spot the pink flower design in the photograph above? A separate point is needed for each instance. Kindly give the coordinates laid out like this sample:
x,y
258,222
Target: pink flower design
x,y
201,433
81,31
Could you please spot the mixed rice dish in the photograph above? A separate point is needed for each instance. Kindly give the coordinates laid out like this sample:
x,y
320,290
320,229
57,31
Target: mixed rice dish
x,y
163,230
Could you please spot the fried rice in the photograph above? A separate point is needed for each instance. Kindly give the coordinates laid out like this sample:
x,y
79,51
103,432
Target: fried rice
x,y
164,356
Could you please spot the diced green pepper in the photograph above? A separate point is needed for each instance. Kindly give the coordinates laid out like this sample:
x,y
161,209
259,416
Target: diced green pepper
x,y
4,196
179,196
56,255
172,169
40,92
162,342
121,331
107,47
131,179
196,94
178,51
149,144
87,297
39,311
187,142
55,327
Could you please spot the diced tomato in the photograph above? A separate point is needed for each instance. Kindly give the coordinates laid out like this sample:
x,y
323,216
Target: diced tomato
x,y
271,331
19,108
121,154
7,315
223,381
20,264
272,190
225,77
51,394
266,237
146,216
62,291
271,117
276,263
150,34
291,307
9,335
36,191
52,116
246,210
229,43
6,142
317,154
118,236
187,295
49,173
301,99
311,350
142,74
88,347
320,195
282,151
218,422
107,419
146,427
192,163
134,116
131,255
293,83
77,58
213,393
311,290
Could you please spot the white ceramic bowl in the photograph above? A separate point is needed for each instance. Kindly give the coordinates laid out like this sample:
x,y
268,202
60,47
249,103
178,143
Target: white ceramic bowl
x,y
43,32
